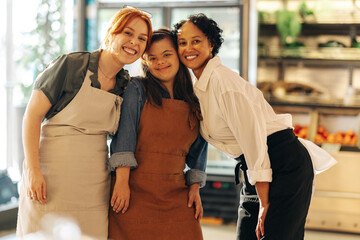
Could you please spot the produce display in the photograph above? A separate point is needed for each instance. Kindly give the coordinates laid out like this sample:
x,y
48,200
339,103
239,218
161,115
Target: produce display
x,y
323,136
301,131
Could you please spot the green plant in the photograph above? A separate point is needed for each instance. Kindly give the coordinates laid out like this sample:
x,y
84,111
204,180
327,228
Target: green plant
x,y
304,11
46,41
289,26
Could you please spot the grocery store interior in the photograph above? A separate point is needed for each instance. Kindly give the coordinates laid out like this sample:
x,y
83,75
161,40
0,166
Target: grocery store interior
x,y
304,55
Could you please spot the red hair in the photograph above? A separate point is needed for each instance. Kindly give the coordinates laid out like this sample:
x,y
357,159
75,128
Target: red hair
x,y
121,19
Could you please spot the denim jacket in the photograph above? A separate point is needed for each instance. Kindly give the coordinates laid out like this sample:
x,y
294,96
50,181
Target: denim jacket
x,y
123,144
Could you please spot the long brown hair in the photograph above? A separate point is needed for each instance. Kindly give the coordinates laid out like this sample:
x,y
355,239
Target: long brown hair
x,y
183,88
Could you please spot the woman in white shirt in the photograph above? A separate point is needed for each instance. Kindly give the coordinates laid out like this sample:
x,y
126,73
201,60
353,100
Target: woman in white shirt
x,y
277,167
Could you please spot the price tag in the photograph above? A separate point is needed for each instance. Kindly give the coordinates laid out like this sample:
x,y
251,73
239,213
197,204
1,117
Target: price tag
x,y
331,147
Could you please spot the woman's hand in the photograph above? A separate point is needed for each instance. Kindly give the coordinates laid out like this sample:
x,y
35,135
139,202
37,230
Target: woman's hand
x,y
194,198
35,185
261,220
262,189
120,198
35,112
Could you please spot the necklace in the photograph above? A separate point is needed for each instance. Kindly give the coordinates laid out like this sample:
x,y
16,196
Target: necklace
x,y
110,78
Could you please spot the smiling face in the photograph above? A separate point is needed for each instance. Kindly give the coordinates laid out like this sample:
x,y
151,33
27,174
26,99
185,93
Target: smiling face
x,y
130,44
163,61
194,48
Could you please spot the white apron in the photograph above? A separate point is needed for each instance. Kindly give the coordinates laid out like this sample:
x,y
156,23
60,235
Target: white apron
x,y
73,154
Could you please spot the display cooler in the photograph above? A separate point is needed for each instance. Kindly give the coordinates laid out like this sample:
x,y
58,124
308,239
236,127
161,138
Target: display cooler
x,y
220,196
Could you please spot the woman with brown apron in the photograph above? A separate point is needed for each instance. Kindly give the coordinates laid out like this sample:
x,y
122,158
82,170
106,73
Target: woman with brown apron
x,y
159,117
65,162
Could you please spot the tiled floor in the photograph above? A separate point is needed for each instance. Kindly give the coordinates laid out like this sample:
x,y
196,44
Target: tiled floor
x,y
227,232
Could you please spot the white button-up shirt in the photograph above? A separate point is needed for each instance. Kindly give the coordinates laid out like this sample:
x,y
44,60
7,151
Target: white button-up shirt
x,y
237,119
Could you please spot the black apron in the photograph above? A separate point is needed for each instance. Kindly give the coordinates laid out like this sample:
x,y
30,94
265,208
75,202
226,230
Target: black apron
x,y
289,192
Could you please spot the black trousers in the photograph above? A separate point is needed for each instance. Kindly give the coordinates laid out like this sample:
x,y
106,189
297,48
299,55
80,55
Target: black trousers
x,y
289,193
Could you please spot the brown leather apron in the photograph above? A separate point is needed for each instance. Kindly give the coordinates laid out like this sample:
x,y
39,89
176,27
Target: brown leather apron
x,y
158,198
72,154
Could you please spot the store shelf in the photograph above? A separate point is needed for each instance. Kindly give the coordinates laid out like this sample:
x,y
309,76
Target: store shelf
x,y
313,29
310,57
323,107
313,61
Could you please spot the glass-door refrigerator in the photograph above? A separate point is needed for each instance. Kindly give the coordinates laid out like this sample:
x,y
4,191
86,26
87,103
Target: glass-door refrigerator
x,y
220,196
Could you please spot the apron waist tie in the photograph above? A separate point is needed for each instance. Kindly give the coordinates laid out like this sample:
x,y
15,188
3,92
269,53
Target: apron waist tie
x,y
272,140
240,165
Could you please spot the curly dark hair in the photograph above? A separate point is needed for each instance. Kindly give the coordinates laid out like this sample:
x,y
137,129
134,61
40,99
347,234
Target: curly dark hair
x,y
208,26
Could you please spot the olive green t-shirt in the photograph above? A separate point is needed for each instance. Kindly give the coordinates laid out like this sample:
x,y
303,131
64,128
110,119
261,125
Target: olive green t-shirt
x,y
64,76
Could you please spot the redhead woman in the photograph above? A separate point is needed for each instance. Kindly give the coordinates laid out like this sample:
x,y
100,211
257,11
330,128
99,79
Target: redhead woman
x,y
278,168
155,200
79,97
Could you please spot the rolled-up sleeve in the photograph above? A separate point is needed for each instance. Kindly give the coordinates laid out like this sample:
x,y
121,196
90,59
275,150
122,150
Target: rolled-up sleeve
x,y
123,143
245,120
196,162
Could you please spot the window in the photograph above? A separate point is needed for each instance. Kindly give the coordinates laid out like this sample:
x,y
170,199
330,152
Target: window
x,y
33,33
